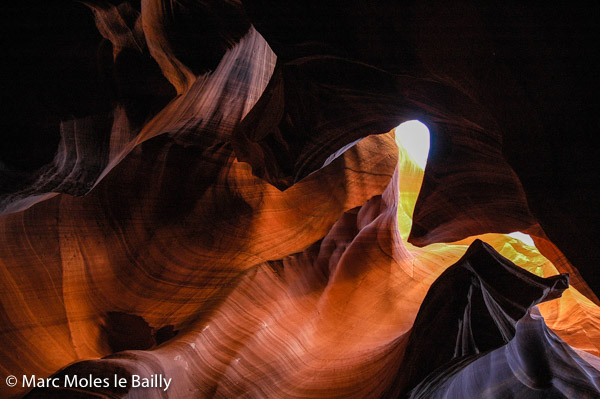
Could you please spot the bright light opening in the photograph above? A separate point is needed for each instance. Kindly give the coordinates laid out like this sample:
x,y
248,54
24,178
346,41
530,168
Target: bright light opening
x,y
414,137
524,238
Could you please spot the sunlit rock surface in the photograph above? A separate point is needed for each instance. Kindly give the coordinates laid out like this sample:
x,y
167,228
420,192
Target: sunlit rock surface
x,y
212,191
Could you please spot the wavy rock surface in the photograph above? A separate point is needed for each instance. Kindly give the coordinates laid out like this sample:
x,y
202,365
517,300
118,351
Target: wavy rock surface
x,y
114,258
534,364
348,302
508,88
211,191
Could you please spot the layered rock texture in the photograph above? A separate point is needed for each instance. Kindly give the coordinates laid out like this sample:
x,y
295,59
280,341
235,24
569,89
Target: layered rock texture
x,y
212,191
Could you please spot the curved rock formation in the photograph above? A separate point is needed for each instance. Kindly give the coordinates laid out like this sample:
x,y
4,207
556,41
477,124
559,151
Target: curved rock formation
x,y
210,191
534,364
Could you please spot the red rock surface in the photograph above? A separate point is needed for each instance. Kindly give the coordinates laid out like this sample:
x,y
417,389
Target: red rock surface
x,y
211,191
